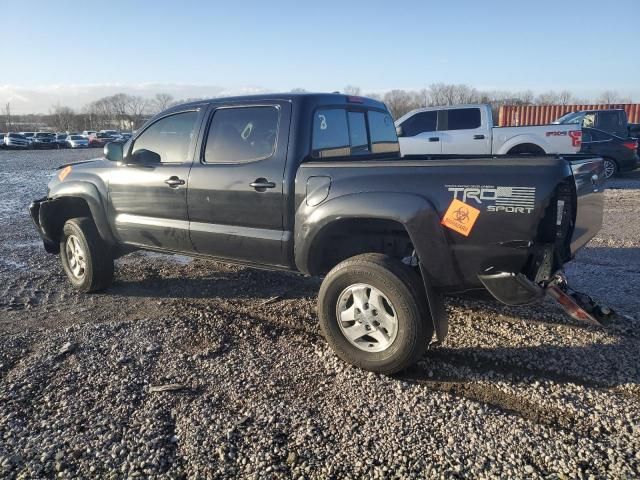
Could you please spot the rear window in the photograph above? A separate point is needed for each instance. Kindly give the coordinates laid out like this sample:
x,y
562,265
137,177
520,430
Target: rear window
x,y
463,119
341,133
383,133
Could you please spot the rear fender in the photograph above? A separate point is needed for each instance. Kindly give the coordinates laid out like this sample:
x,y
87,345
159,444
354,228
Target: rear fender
x,y
415,213
522,139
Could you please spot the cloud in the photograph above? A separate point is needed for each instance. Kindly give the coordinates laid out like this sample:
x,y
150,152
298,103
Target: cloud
x,y
40,99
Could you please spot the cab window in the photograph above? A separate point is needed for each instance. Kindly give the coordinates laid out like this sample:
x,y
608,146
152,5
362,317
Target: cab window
x,y
167,140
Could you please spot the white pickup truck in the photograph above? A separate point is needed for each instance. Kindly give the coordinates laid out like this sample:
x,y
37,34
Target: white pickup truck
x,y
469,130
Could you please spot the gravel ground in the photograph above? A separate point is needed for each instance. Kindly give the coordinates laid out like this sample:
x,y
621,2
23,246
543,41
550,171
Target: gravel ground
x,y
199,369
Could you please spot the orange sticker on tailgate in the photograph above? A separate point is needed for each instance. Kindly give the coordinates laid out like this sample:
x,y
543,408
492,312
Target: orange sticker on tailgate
x,y
460,217
64,172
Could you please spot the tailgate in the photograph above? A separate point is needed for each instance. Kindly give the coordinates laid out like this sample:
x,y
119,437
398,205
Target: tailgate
x,y
588,175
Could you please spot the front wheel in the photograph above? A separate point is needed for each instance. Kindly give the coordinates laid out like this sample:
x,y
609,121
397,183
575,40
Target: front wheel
x,y
373,313
86,258
610,168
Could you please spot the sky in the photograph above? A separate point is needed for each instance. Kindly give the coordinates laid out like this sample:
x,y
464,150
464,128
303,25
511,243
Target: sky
x,y
71,53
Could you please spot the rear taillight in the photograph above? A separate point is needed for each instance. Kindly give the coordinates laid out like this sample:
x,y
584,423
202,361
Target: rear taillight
x,y
631,145
576,137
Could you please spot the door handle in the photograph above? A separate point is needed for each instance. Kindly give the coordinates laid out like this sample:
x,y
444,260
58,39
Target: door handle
x,y
434,139
174,182
261,184
478,137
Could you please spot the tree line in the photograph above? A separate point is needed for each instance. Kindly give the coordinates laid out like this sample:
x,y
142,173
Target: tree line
x,y
128,112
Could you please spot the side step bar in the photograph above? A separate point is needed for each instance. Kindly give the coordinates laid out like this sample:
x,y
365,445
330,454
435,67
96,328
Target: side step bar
x,y
516,289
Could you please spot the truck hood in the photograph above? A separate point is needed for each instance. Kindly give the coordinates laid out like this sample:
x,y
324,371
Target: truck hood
x,y
91,163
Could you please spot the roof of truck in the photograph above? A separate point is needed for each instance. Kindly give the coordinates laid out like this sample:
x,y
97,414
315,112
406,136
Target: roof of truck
x,y
327,98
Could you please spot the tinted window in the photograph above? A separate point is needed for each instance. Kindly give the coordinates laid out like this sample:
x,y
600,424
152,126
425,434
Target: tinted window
x,y
330,135
358,133
463,118
242,134
383,133
419,123
169,137
608,120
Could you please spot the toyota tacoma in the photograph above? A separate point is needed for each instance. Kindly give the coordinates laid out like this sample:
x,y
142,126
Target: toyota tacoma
x,y
314,183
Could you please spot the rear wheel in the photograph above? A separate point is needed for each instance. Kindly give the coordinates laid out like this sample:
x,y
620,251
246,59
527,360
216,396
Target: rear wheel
x,y
373,313
610,168
526,149
86,259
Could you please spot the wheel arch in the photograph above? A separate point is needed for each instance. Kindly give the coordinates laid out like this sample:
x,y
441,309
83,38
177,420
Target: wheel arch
x,y
69,200
520,140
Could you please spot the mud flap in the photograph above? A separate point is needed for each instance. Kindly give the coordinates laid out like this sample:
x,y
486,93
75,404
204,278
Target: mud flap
x,y
439,314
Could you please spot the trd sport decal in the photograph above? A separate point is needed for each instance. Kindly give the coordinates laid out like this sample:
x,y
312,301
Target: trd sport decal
x,y
506,199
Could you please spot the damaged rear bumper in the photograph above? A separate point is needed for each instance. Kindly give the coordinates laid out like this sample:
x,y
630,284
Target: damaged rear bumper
x,y
516,289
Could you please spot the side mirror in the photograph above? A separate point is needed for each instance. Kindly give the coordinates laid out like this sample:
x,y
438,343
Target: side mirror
x,y
399,131
113,151
146,157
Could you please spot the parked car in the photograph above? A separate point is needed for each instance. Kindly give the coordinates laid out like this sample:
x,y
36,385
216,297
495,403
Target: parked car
x,y
2,134
44,140
30,136
330,197
99,139
612,121
77,141
619,154
469,130
88,133
61,140
126,135
16,140
111,133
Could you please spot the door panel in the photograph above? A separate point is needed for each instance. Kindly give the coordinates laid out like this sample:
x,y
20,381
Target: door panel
x,y
235,196
465,132
146,210
420,135
148,191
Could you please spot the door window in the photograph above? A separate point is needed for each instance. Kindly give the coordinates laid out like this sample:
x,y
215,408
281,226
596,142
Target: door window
x,y
419,123
167,140
463,119
242,134
609,121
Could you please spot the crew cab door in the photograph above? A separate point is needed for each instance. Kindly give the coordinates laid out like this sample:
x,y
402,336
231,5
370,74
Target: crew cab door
x,y
419,134
465,131
235,196
148,191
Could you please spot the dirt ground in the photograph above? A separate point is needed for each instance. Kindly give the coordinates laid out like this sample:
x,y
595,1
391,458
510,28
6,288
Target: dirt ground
x,y
513,392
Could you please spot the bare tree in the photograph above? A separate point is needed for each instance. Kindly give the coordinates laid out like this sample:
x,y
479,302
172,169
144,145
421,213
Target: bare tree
x,y
609,96
400,102
161,102
64,118
352,90
298,90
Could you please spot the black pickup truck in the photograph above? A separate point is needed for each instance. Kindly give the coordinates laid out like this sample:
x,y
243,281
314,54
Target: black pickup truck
x,y
314,183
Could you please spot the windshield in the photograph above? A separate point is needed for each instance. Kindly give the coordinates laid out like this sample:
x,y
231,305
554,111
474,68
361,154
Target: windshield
x,y
44,135
17,135
61,136
28,134
573,117
77,137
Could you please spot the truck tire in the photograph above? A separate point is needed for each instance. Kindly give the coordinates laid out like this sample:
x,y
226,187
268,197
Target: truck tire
x,y
86,259
373,313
